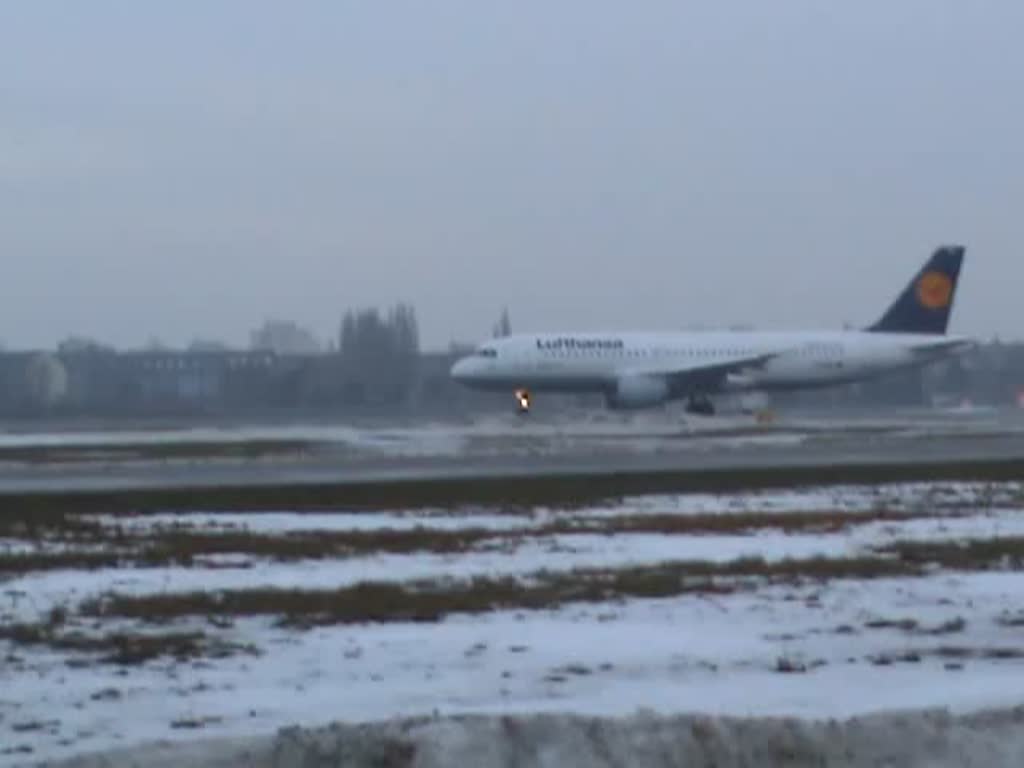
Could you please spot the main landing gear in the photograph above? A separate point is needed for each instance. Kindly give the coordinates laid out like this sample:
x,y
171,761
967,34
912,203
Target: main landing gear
x,y
522,402
700,405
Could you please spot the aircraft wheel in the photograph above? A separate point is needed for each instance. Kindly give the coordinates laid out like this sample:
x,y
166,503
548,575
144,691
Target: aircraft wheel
x,y
701,406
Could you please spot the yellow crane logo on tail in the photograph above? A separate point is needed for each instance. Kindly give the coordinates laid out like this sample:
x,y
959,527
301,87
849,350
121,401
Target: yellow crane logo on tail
x,y
934,290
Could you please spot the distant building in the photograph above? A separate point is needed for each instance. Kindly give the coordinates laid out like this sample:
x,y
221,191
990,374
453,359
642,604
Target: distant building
x,y
95,380
284,338
15,390
198,377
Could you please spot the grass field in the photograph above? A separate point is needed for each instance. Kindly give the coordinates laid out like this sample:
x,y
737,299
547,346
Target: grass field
x,y
124,614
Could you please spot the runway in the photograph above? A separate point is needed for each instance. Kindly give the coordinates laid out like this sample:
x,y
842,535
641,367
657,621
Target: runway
x,y
502,451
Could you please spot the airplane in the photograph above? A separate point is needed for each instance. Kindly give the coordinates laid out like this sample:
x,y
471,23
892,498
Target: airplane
x,y
637,370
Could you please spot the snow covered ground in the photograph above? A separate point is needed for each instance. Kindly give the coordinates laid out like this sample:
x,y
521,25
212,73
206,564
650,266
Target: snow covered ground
x,y
811,647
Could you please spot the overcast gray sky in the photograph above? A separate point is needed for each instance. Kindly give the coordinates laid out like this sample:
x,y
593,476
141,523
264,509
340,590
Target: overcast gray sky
x,y
190,168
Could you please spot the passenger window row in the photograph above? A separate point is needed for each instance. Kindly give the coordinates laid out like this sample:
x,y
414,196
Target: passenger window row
x,y
656,352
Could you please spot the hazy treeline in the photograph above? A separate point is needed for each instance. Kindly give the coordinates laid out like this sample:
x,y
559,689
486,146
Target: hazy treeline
x,y
379,353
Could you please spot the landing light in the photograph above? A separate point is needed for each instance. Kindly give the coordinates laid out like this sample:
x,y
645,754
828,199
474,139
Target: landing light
x,y
523,397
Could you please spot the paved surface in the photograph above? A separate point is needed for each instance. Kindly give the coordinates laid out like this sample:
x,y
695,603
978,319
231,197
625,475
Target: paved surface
x,y
330,469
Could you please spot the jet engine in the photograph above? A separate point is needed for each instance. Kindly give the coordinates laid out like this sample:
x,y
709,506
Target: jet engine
x,y
635,392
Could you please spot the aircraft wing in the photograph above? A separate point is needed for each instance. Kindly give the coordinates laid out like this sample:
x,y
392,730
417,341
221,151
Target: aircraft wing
x,y
706,377
942,345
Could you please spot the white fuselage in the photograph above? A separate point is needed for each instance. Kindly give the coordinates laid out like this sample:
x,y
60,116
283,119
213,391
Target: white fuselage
x,y
595,362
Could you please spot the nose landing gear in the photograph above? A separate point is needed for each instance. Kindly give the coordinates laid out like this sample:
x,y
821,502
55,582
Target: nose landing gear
x,y
700,405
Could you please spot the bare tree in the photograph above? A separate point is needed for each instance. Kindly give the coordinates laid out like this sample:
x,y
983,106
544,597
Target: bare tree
x,y
380,353
503,327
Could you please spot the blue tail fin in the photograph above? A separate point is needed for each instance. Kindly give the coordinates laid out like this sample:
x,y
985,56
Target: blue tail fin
x,y
925,304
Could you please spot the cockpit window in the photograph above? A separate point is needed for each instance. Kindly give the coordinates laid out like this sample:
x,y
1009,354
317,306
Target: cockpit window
x,y
487,352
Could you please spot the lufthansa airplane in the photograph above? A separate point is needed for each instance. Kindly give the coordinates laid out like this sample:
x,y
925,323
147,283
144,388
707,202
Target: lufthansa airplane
x,y
646,370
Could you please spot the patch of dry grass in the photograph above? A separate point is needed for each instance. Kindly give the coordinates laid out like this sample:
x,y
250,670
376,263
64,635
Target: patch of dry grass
x,y
181,545
72,453
54,526
1010,620
962,652
26,562
433,600
802,521
913,626
961,555
123,648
